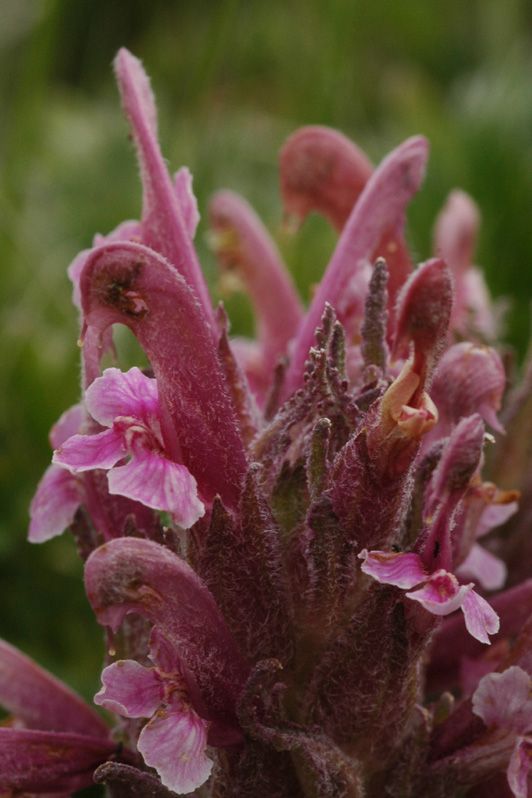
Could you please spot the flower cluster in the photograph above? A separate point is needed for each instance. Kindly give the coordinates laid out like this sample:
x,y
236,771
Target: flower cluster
x,y
278,532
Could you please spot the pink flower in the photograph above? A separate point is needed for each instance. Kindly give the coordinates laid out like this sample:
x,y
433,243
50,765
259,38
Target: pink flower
x,y
504,702
440,592
197,665
128,404
175,738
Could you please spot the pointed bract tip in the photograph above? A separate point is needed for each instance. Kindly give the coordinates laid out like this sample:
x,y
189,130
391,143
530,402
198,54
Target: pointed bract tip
x,y
413,154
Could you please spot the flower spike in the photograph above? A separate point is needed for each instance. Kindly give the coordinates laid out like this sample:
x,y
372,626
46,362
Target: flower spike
x,y
278,533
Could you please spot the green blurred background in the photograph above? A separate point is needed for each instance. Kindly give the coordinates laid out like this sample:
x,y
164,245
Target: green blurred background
x,y
233,78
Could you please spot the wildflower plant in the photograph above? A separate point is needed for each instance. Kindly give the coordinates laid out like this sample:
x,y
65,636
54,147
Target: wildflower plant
x,y
278,533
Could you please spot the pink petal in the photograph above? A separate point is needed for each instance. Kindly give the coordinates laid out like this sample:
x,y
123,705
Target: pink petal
x,y
391,568
155,481
164,228
130,689
481,619
54,505
520,767
442,594
39,700
85,452
503,700
118,393
67,425
186,199
495,515
45,761
174,743
483,567
380,206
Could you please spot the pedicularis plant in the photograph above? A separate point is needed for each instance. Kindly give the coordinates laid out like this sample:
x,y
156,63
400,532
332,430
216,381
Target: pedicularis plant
x,y
279,533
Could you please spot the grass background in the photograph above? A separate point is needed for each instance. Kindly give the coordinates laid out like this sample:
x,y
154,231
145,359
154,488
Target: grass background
x,y
233,79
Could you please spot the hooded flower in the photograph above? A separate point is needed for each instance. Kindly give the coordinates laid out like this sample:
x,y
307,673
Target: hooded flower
x,y
174,739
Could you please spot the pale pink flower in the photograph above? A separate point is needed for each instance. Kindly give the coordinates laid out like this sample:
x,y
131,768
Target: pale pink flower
x,y
128,405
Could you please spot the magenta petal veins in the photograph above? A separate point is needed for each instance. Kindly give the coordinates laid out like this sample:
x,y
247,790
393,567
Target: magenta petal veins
x,y
174,742
87,452
394,568
130,689
118,393
129,403
174,739
157,482
441,594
